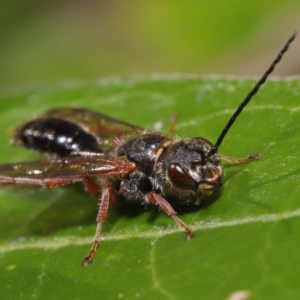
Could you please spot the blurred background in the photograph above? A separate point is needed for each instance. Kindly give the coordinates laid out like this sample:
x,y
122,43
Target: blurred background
x,y
53,40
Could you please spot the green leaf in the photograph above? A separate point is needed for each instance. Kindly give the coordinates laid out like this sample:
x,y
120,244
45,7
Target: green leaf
x,y
246,236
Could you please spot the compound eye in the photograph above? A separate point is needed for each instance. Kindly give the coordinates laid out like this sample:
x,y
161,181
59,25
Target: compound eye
x,y
180,178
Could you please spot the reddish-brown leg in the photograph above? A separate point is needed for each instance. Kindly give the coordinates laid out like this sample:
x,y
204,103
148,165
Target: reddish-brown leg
x,y
240,160
107,194
172,125
91,186
167,208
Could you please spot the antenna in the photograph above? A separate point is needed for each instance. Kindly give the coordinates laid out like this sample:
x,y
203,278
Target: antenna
x,y
215,148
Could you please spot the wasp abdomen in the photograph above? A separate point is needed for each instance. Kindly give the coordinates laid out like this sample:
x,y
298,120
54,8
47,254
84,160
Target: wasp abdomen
x,y
56,136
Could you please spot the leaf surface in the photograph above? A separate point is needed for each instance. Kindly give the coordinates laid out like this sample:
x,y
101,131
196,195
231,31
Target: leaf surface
x,y
246,236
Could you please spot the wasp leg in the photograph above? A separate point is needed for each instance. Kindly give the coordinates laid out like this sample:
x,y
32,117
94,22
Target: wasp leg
x,y
91,186
155,198
172,124
240,160
107,194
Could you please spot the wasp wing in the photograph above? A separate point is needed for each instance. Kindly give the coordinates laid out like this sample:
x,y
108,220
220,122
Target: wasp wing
x,y
50,173
109,131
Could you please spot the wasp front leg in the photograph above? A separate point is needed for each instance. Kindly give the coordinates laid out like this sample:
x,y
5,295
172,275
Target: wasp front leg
x,y
138,186
155,198
232,160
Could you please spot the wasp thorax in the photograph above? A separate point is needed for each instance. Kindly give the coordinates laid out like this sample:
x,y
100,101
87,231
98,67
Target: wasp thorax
x,y
189,166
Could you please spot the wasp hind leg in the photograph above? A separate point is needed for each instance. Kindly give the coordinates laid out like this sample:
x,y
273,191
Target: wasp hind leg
x,y
108,195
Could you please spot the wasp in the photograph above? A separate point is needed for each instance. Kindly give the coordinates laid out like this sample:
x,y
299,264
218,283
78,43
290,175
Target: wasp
x,y
118,161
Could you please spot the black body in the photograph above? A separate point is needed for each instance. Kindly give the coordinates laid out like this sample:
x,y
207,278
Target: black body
x,y
152,152
56,137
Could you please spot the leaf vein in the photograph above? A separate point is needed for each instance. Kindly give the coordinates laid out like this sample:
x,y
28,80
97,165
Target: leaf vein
x,y
56,243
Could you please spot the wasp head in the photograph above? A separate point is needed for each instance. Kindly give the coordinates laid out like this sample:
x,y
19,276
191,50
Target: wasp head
x,y
190,166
